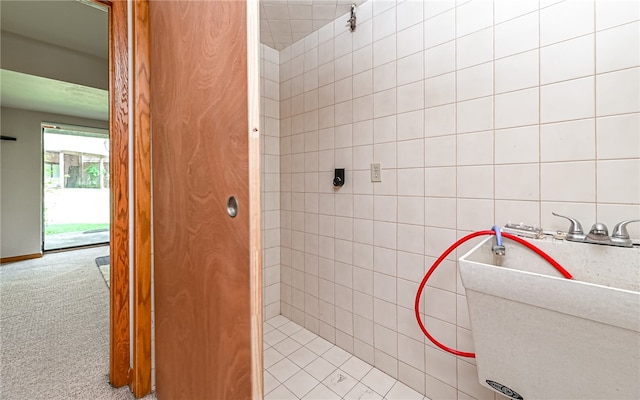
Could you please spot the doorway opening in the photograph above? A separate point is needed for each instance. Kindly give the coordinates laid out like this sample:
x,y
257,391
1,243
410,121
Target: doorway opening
x,y
76,209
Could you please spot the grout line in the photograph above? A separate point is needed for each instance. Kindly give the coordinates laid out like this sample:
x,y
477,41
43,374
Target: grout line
x,y
539,122
595,112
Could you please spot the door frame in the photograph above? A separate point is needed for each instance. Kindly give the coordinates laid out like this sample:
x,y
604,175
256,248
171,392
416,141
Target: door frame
x,y
119,298
130,296
255,206
130,324
140,379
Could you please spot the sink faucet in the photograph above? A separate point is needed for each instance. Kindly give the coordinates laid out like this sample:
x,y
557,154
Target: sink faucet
x,y
575,233
620,236
599,234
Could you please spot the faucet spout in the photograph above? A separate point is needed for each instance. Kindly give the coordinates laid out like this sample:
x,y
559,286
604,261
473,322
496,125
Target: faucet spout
x,y
598,233
498,248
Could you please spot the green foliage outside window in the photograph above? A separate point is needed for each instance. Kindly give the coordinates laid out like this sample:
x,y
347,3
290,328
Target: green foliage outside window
x,y
92,176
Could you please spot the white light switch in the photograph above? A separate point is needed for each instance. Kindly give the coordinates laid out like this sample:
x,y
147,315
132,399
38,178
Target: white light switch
x,y
376,175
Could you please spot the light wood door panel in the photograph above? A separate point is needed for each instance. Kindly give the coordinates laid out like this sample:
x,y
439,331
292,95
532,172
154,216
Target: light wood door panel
x,y
200,157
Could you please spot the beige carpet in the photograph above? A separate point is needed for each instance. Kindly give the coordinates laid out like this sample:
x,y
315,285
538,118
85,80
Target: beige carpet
x,y
54,329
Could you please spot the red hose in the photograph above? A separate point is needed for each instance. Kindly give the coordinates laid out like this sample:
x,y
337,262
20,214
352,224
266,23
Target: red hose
x,y
470,236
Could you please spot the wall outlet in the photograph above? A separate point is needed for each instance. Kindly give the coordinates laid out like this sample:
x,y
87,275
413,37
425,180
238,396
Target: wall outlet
x,y
376,175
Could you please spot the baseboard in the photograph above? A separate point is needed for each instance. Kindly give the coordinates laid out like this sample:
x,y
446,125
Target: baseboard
x,y
20,258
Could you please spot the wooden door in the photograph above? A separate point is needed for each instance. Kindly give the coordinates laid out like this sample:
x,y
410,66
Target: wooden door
x,y
206,263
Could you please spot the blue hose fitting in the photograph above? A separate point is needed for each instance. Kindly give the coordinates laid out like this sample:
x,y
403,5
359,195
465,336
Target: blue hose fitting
x,y
498,249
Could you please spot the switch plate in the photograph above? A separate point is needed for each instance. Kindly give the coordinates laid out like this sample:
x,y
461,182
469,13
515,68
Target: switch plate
x,y
376,175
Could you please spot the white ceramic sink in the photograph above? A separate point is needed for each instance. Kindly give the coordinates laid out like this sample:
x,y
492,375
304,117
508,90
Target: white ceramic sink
x,y
545,337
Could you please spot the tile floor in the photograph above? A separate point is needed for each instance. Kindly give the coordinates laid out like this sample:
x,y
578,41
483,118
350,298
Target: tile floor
x,y
301,365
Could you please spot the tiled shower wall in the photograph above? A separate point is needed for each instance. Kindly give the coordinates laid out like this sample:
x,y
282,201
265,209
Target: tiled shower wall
x,y
270,178
479,112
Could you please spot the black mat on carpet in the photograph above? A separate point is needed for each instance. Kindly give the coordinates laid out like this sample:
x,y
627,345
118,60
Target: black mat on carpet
x,y
105,268
103,260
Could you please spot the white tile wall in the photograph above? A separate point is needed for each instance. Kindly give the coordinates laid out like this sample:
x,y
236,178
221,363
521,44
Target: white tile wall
x,y
270,169
566,20
568,100
479,112
567,60
519,71
615,13
517,35
618,48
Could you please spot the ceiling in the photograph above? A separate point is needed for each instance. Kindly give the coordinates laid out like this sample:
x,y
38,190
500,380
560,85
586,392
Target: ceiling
x,y
283,22
31,92
82,26
65,23
70,24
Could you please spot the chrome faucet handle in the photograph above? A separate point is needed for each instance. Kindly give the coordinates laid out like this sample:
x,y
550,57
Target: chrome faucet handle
x,y
575,233
620,230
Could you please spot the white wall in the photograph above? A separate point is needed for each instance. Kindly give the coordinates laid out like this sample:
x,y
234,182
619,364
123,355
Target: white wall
x,y
480,112
21,178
